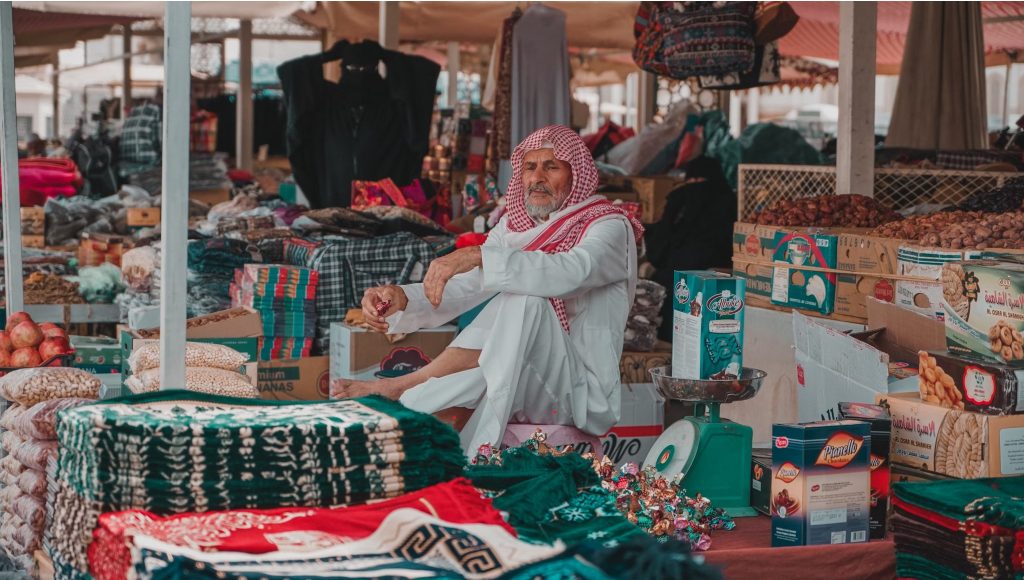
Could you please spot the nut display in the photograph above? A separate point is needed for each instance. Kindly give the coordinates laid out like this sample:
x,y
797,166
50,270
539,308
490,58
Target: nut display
x,y
199,379
935,385
854,211
197,354
51,289
1009,197
31,386
1006,342
956,230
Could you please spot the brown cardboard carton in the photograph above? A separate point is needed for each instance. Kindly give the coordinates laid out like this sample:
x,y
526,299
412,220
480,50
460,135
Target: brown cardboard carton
x,y
360,354
635,367
303,379
652,192
983,387
211,197
33,221
955,443
142,217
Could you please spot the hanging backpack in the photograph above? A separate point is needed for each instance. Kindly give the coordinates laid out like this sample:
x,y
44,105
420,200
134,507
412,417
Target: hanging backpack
x,y
698,38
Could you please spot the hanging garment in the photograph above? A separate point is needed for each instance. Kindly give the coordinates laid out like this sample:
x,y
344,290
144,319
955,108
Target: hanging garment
x,y
503,87
338,133
140,139
540,72
269,122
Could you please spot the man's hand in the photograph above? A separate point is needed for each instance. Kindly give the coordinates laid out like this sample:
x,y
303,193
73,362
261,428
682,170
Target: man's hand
x,y
381,302
443,269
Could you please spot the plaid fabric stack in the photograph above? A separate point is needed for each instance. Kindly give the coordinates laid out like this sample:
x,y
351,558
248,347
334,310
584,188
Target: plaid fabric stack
x,y
140,139
285,297
175,452
959,528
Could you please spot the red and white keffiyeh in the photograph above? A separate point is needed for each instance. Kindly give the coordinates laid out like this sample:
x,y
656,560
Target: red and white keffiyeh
x,y
564,232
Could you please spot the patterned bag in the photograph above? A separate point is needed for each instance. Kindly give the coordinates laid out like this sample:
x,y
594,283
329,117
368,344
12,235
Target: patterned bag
x,y
702,38
765,72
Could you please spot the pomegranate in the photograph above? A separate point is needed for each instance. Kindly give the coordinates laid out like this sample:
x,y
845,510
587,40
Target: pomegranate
x,y
5,358
26,334
52,347
16,319
26,357
53,332
5,342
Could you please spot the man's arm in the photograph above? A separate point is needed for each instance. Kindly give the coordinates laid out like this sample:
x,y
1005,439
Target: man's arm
x,y
598,260
462,293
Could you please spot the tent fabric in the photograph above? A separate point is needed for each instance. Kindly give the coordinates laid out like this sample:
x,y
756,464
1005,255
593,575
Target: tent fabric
x,y
156,9
944,80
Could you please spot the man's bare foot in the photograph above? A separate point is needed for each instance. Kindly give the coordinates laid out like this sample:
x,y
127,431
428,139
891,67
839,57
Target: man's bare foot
x,y
346,389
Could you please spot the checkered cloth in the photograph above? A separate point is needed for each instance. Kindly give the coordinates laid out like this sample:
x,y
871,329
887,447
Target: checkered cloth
x,y
140,139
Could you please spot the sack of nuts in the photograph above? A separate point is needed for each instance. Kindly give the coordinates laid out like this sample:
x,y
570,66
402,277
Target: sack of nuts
x,y
31,386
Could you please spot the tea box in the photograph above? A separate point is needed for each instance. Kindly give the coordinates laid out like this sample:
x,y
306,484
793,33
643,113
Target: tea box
x,y
707,327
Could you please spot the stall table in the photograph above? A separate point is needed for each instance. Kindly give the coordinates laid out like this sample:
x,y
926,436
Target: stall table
x,y
746,552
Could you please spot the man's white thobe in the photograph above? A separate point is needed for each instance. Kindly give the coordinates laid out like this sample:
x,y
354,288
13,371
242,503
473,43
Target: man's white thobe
x,y
530,370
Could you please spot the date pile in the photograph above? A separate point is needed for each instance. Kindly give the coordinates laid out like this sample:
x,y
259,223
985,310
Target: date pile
x,y
1009,197
960,230
849,211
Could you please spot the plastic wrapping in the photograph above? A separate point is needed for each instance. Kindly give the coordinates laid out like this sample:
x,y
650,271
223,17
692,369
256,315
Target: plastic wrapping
x,y
138,266
40,421
11,441
8,496
9,416
31,386
31,510
33,482
99,284
199,379
35,454
197,354
12,466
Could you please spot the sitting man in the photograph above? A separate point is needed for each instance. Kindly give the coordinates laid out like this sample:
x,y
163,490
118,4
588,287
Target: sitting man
x,y
560,272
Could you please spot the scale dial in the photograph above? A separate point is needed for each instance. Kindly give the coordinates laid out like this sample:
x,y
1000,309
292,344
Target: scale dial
x,y
674,451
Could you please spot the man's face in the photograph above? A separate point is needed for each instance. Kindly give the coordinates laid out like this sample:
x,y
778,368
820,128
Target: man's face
x,y
546,182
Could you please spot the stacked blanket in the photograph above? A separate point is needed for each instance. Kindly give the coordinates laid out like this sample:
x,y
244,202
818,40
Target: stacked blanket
x,y
285,297
960,528
211,269
175,452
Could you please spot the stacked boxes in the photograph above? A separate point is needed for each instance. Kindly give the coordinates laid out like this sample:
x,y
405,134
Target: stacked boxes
x,y
285,297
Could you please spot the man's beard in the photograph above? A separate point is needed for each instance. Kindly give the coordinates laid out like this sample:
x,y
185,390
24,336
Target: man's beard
x,y
541,212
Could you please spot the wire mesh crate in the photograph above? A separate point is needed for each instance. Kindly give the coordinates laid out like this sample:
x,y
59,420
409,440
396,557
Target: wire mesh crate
x,y
760,186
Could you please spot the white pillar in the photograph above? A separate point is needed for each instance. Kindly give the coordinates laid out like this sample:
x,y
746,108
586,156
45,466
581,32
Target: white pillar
x,y
454,64
126,70
55,120
244,121
735,113
646,100
855,159
389,18
174,217
753,106
9,164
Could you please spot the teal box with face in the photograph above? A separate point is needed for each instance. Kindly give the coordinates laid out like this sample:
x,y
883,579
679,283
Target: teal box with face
x,y
813,288
707,325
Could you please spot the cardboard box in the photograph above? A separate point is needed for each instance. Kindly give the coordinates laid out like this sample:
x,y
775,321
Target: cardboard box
x,y
862,265
33,221
795,287
360,354
635,367
820,483
881,436
708,325
984,310
988,388
98,355
761,480
38,242
211,197
906,474
925,294
639,426
652,192
304,379
142,217
954,443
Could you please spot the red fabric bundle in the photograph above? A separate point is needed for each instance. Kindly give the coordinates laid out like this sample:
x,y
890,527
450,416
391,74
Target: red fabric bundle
x,y
41,178
470,240
284,529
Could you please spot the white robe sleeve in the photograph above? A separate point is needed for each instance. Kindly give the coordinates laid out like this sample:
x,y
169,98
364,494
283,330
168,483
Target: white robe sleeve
x,y
462,293
598,260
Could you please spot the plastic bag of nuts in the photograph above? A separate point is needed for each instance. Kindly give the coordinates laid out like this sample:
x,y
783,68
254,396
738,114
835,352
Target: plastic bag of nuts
x,y
35,454
40,421
33,482
31,510
11,441
936,386
12,466
197,354
199,379
31,386
9,416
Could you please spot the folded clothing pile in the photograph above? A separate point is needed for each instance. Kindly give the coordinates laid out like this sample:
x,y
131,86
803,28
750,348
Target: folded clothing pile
x,y
140,274
285,297
41,178
211,269
645,317
175,453
29,440
209,368
205,172
959,528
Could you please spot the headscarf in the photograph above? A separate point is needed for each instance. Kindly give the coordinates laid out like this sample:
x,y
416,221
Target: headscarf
x,y
570,148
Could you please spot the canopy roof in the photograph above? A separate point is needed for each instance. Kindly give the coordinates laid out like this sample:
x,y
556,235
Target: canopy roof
x,y
156,9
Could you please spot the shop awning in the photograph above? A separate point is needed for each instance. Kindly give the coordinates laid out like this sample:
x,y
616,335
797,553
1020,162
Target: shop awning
x,y
156,9
39,35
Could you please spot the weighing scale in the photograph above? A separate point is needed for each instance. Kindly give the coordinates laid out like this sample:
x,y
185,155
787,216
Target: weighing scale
x,y
712,454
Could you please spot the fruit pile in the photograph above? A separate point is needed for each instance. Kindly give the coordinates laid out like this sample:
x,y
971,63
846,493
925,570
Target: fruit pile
x,y
24,344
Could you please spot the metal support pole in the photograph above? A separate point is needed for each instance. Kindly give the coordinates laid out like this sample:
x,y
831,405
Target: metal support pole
x,y
646,100
9,164
1006,94
126,70
174,217
389,19
753,106
55,120
855,160
243,126
454,64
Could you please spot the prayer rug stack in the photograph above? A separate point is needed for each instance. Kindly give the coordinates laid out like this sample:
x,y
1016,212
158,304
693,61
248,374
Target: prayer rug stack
x,y
175,452
285,297
959,528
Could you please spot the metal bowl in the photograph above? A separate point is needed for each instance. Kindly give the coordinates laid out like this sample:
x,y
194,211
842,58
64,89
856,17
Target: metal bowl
x,y
708,391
